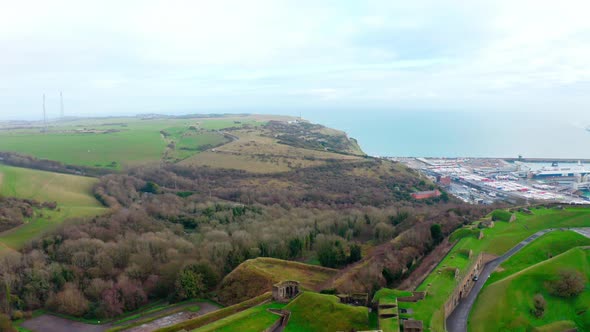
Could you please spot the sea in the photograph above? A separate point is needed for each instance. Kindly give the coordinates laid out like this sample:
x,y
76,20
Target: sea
x,y
398,133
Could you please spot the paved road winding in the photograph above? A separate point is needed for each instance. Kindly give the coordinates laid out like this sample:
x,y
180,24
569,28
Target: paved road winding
x,y
457,321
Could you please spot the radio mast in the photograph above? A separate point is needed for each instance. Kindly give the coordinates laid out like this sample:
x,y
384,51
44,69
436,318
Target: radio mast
x,y
61,104
44,115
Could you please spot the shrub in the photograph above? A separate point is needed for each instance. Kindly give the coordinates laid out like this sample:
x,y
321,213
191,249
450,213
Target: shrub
x,y
151,187
540,304
501,215
355,253
17,314
436,233
69,301
6,324
189,284
569,283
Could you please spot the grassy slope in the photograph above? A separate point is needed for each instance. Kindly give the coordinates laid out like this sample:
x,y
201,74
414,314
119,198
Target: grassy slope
x,y
496,240
318,312
255,153
389,296
506,304
545,247
309,312
310,276
256,276
72,193
254,319
214,316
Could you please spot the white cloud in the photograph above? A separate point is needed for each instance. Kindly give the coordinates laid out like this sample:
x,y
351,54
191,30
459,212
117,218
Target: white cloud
x,y
210,54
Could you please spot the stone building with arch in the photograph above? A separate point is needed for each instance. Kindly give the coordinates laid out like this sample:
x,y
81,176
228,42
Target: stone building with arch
x,y
285,291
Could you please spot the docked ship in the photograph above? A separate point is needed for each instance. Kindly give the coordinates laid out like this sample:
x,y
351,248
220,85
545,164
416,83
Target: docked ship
x,y
556,171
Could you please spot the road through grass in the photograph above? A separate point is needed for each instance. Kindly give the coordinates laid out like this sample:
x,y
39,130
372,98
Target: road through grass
x,y
506,305
497,240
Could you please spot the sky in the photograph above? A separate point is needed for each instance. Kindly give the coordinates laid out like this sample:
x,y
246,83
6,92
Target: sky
x,y
129,57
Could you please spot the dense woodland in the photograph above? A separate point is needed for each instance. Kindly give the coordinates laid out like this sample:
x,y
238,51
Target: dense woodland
x,y
175,231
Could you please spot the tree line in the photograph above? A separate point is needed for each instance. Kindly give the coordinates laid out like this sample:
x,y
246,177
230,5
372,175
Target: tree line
x,y
175,231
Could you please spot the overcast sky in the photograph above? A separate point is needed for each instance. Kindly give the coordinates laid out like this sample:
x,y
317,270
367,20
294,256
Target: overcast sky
x,y
128,57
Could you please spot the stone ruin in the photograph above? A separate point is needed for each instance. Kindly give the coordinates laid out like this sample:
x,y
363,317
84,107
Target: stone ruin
x,y
285,291
356,299
411,325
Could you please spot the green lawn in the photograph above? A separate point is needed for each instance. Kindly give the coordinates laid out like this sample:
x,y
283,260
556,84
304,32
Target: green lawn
x,y
497,240
505,305
319,312
73,195
254,319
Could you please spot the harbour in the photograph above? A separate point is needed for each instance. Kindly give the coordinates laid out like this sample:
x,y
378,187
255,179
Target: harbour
x,y
487,180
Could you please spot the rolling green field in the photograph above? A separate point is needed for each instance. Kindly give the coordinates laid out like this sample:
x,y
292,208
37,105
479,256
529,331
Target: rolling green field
x,y
505,305
94,150
497,240
73,195
119,142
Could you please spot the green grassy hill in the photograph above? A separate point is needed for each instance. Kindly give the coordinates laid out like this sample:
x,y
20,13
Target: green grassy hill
x,y
505,305
256,276
73,195
441,282
543,248
309,312
319,312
